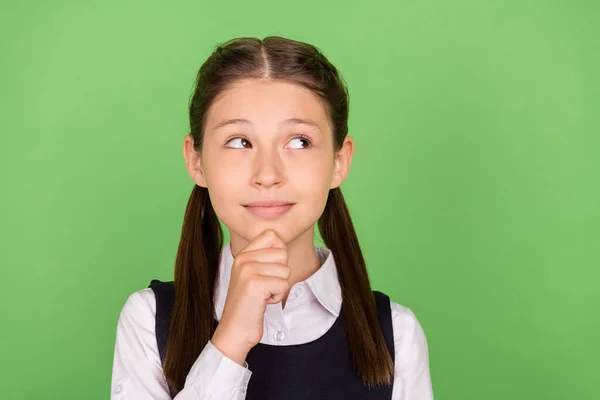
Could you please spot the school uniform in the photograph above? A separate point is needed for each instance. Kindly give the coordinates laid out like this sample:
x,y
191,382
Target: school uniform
x,y
303,353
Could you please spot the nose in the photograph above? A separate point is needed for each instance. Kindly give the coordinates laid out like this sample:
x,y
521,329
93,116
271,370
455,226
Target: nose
x,y
267,169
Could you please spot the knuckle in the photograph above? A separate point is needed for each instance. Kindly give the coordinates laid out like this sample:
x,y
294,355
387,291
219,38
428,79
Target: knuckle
x,y
281,255
283,284
246,270
254,284
240,259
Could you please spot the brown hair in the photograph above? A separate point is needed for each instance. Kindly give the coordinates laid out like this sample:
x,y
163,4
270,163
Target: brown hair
x,y
192,322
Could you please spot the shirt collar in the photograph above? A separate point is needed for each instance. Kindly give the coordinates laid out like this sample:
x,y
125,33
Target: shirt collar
x,y
323,283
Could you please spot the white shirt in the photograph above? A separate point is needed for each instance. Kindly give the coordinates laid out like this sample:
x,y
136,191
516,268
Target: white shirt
x,y
310,310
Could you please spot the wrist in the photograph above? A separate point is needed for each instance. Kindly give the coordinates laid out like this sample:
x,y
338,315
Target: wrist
x,y
230,349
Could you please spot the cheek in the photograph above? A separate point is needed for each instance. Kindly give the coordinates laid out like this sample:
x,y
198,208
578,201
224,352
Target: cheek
x,y
223,192
318,171
221,173
314,183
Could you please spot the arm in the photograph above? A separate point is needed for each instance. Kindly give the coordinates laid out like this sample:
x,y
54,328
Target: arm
x,y
412,378
137,371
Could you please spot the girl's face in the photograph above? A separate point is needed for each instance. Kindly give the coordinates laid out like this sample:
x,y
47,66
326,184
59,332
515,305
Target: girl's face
x,y
282,151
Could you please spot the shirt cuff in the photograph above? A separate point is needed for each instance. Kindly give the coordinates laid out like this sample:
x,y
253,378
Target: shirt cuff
x,y
215,374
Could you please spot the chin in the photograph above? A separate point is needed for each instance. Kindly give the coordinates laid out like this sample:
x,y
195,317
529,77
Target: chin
x,y
289,226
282,230
249,232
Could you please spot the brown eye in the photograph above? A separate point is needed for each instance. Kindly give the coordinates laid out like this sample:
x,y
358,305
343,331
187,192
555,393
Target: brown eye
x,y
300,139
241,143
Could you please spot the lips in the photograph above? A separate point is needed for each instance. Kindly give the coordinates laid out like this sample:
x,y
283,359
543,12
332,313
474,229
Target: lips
x,y
268,203
268,209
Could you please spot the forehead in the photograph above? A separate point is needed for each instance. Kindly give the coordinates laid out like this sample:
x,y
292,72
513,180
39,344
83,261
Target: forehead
x,y
267,102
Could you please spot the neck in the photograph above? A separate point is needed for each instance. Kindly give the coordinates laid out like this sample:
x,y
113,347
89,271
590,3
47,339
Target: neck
x,y
302,258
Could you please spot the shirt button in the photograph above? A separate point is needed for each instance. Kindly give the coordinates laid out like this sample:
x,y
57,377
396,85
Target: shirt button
x,y
279,335
118,389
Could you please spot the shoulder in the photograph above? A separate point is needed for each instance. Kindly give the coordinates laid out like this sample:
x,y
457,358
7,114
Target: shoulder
x,y
136,337
137,322
403,317
410,342
412,377
404,320
409,336
140,304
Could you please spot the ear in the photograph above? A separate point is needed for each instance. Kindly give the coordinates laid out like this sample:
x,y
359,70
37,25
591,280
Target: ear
x,y
193,161
343,159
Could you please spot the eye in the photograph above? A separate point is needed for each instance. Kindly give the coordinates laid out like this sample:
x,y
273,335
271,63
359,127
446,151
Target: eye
x,y
301,138
240,140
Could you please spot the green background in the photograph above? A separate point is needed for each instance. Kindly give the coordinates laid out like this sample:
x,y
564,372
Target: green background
x,y
474,186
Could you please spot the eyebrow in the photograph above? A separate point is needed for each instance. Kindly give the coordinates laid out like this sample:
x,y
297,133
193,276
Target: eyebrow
x,y
289,121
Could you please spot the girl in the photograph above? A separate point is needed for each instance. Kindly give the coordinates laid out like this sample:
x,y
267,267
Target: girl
x,y
268,315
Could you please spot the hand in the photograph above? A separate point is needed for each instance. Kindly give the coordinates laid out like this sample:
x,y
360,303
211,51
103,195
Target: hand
x,y
259,276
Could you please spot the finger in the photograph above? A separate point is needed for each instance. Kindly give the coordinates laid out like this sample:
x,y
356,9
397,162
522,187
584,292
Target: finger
x,y
282,271
275,288
270,255
266,239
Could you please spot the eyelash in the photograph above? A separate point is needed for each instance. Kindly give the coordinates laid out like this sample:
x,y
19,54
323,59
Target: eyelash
x,y
295,137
